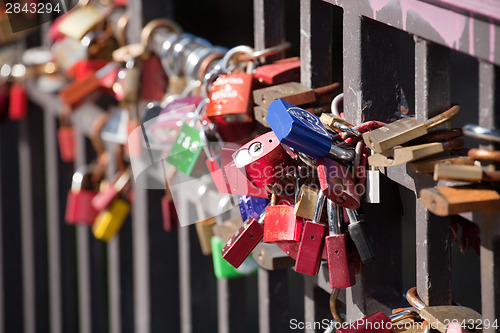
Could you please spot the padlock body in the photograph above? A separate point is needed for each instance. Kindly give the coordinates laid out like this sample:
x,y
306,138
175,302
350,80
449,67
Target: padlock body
x,y
223,269
263,159
66,141
340,270
230,99
79,207
298,129
281,71
109,221
281,224
18,102
104,198
154,81
167,125
363,243
169,214
85,67
374,323
249,205
204,230
243,242
338,184
235,181
311,248
186,151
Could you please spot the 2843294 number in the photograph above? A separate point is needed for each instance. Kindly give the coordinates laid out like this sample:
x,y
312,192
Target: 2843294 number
x,y
32,8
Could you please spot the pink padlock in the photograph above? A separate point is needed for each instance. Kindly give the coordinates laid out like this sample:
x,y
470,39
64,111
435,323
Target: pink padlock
x,y
338,184
79,207
103,199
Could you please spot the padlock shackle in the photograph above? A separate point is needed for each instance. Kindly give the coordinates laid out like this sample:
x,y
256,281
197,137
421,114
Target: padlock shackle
x,y
414,300
352,214
443,117
403,314
331,209
336,102
224,63
151,26
481,133
319,207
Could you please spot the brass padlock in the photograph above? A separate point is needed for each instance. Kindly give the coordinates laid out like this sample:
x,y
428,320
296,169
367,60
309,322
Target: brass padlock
x,y
306,202
80,21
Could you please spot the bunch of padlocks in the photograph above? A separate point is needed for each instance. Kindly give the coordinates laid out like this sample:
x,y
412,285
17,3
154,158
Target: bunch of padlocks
x,y
283,148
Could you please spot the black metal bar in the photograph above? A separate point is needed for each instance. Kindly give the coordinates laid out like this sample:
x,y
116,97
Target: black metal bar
x,y
432,96
269,24
274,315
316,66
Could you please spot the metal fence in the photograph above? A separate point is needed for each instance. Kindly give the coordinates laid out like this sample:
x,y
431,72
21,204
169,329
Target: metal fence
x,y
58,278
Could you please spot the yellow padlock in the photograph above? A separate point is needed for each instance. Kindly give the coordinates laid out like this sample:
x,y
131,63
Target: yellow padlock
x,y
110,220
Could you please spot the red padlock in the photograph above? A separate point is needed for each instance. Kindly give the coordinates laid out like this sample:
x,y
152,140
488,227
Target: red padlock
x,y
263,159
311,245
85,67
66,141
169,214
234,181
154,81
281,224
281,71
79,207
243,242
18,102
340,268
230,99
337,183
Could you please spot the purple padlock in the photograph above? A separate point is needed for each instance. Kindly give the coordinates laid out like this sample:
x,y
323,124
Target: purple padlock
x,y
249,205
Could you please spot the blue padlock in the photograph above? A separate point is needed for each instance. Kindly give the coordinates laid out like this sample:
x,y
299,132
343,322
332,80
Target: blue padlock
x,y
299,129
249,205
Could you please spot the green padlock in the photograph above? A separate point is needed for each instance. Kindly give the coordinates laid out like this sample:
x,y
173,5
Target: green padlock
x,y
223,269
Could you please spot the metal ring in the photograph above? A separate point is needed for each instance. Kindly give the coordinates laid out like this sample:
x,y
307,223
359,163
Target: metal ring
x,y
193,60
181,60
177,48
268,51
204,66
155,24
165,52
335,104
481,133
209,78
229,54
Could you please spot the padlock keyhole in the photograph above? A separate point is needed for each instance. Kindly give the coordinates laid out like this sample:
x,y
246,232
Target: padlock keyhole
x,y
312,237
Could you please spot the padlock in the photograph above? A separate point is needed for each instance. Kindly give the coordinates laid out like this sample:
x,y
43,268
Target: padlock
x,y
223,269
80,21
18,99
312,242
427,165
244,241
445,201
481,133
306,202
167,125
249,205
303,131
484,155
103,199
234,180
76,91
436,136
338,124
271,257
377,322
66,139
281,224
440,317
187,149
404,130
168,210
79,207
360,237
403,155
281,71
116,128
204,225
340,267
337,183
109,221
263,159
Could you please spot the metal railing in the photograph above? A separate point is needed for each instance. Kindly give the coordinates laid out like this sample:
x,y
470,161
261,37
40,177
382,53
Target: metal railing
x,y
58,278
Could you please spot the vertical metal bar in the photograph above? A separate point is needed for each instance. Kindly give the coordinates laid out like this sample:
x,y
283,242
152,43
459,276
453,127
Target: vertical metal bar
x,y
184,270
489,95
83,252
2,269
316,67
141,260
274,314
231,305
114,284
54,249
432,96
371,87
269,24
28,259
